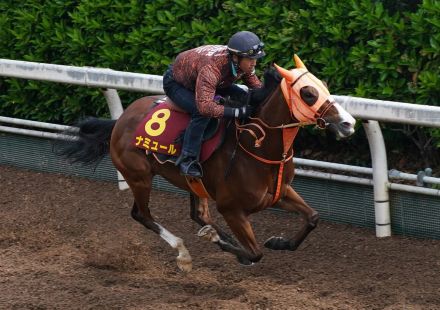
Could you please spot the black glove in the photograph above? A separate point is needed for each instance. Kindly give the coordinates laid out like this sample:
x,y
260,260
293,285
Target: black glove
x,y
229,102
241,113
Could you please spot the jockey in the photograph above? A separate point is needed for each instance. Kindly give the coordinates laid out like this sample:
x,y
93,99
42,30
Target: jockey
x,y
197,75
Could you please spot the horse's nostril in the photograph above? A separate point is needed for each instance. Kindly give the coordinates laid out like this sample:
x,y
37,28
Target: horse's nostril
x,y
346,125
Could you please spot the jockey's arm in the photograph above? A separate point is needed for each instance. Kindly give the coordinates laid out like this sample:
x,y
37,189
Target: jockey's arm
x,y
206,85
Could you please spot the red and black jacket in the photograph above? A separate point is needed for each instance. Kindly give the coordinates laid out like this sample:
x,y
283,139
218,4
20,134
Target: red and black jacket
x,y
205,69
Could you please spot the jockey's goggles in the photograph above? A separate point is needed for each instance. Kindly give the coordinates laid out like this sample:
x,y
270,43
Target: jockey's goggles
x,y
254,51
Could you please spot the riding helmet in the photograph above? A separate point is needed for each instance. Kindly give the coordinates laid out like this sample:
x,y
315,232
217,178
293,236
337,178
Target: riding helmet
x,y
246,44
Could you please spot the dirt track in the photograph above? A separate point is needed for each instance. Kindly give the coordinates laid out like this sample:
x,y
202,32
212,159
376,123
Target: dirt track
x,y
70,243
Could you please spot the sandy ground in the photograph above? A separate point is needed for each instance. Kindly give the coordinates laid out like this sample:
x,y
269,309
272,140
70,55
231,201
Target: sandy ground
x,y
69,243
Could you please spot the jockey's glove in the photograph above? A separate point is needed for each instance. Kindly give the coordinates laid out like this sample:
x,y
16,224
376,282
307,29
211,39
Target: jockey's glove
x,y
241,113
229,102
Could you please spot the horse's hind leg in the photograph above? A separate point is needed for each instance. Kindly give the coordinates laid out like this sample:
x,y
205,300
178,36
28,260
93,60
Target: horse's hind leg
x,y
199,212
293,202
141,213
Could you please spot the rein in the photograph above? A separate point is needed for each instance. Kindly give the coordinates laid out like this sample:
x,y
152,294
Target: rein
x,y
258,141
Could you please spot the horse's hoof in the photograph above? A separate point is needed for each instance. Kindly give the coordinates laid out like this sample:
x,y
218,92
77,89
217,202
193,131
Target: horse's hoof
x,y
184,263
271,242
209,233
277,243
244,261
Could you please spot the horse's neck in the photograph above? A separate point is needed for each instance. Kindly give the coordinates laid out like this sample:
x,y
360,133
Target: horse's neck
x,y
274,110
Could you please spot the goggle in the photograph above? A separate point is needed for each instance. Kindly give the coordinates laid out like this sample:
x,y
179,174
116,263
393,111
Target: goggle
x,y
254,50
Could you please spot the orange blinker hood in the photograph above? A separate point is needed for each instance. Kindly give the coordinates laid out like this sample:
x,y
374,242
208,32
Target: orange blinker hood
x,y
293,81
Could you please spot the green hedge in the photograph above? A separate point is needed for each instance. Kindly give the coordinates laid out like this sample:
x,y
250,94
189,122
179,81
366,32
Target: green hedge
x,y
375,49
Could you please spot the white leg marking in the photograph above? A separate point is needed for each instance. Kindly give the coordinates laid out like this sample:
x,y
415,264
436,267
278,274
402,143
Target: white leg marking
x,y
184,260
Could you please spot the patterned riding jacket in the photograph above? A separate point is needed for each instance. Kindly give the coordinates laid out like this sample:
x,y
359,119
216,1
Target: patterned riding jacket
x,y
205,69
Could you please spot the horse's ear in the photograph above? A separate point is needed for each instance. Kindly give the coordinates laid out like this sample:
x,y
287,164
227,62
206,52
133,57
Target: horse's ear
x,y
284,72
298,62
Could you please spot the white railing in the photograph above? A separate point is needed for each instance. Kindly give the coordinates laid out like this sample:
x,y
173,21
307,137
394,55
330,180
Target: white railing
x,y
371,111
84,76
391,111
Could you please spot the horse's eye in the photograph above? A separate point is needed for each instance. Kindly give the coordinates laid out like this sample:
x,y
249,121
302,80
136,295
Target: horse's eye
x,y
309,94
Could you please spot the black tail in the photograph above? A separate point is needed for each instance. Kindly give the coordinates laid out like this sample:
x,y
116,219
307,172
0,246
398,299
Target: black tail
x,y
89,143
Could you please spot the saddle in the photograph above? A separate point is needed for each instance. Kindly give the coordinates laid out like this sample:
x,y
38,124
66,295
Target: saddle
x,y
161,132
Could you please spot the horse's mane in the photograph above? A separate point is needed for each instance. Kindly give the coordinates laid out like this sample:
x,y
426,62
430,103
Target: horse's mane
x,y
271,80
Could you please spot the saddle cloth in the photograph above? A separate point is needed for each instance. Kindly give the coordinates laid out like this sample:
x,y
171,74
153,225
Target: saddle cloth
x,y
161,132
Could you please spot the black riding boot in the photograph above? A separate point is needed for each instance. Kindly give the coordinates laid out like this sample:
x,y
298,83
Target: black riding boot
x,y
192,142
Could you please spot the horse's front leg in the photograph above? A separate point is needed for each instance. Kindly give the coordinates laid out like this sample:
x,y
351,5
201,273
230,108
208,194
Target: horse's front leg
x,y
200,214
238,222
293,202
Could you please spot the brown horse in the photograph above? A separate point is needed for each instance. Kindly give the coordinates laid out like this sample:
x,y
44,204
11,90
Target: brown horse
x,y
251,171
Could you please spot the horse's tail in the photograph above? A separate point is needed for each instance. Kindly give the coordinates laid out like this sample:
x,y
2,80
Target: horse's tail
x,y
87,143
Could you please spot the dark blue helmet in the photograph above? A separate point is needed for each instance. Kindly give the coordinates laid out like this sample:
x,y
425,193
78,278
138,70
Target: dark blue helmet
x,y
246,44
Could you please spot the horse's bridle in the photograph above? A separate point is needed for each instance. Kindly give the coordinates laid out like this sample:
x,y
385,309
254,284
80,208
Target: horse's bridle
x,y
305,120
307,115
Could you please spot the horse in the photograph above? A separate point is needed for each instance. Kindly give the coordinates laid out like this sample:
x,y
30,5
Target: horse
x,y
250,172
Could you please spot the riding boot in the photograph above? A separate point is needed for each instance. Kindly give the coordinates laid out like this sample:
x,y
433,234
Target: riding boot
x,y
192,142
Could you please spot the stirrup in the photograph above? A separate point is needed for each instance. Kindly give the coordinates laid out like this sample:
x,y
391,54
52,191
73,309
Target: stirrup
x,y
192,169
